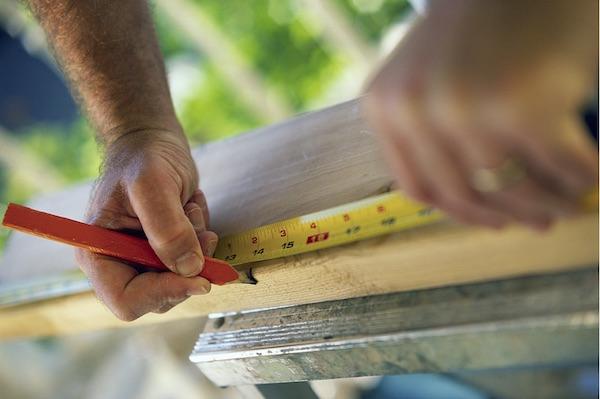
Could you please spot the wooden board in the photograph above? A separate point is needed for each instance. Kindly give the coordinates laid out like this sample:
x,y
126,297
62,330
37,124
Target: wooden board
x,y
313,162
304,165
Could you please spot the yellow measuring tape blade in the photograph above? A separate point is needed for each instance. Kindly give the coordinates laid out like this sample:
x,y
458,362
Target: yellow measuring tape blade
x,y
356,221
371,217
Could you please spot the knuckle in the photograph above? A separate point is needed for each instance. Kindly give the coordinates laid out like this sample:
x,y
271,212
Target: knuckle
x,y
125,313
406,111
169,303
195,214
408,94
452,121
87,261
148,178
120,307
174,235
107,219
162,310
137,185
401,97
199,198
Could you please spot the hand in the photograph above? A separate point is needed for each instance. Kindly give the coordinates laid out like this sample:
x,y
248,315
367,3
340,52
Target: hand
x,y
149,184
477,85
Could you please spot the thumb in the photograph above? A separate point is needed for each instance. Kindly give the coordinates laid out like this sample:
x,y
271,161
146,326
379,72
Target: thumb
x,y
169,231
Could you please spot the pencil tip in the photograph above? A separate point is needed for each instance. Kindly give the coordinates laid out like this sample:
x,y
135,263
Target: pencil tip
x,y
246,277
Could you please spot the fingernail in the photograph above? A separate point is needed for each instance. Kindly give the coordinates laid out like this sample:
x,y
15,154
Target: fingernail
x,y
211,246
201,287
189,264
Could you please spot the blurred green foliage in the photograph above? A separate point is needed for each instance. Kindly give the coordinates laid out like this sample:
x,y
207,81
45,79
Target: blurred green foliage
x,y
373,24
213,111
283,50
277,38
72,152
280,42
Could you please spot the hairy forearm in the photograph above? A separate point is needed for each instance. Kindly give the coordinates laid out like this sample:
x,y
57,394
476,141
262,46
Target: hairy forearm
x,y
109,52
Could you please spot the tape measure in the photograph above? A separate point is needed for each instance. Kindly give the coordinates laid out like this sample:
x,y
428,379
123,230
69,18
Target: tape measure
x,y
371,217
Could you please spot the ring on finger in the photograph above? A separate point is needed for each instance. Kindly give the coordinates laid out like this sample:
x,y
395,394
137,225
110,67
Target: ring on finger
x,y
491,180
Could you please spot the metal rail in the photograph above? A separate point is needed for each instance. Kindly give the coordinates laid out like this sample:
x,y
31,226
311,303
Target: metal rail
x,y
522,322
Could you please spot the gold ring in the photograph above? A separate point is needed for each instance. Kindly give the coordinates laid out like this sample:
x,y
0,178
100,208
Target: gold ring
x,y
491,180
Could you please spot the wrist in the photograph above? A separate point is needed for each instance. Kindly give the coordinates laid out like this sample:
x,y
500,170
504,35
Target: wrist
x,y
130,152
143,126
142,139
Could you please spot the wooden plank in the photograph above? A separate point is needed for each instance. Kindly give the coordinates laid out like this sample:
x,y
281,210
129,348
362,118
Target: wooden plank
x,y
428,257
313,162
304,165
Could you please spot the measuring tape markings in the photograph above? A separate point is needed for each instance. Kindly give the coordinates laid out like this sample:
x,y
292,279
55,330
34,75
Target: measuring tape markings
x,y
367,218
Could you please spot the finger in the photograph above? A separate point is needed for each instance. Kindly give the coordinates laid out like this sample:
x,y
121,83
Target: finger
x,y
208,241
445,175
527,202
169,231
170,305
396,150
448,179
114,220
551,184
199,198
484,149
194,213
129,294
567,158
557,147
164,309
